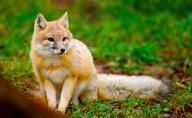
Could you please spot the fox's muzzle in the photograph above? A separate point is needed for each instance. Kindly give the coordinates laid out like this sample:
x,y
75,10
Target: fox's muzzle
x,y
62,50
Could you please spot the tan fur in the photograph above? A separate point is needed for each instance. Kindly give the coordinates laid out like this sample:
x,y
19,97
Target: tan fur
x,y
48,67
73,74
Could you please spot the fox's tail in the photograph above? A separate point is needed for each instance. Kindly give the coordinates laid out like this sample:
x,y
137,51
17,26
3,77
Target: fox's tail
x,y
117,87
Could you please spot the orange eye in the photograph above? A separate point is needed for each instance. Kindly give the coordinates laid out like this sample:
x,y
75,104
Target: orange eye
x,y
50,39
64,38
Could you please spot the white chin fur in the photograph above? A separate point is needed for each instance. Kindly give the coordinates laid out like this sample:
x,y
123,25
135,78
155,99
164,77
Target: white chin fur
x,y
56,51
42,50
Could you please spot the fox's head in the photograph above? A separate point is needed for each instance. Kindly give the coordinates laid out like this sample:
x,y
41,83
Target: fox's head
x,y
51,38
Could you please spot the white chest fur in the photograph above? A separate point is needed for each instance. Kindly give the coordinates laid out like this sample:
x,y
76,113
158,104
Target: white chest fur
x,y
57,76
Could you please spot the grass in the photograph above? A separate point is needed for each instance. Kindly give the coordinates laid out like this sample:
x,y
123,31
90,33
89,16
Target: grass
x,y
130,37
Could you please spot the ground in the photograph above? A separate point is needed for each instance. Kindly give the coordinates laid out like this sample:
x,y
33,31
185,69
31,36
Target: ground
x,y
125,37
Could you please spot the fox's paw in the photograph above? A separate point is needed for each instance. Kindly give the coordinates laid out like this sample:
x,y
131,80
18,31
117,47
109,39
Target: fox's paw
x,y
62,107
75,102
52,105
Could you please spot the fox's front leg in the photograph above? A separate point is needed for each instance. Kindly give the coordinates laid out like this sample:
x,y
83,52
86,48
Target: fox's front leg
x,y
66,93
40,80
42,87
51,94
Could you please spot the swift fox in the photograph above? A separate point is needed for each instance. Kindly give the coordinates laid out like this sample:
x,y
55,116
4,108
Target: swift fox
x,y
65,70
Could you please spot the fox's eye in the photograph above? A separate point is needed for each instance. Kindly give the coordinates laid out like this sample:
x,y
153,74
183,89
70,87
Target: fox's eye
x,y
64,38
50,39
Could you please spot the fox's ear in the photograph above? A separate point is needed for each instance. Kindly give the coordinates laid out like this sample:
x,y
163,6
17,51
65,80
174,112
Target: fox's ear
x,y
64,20
40,22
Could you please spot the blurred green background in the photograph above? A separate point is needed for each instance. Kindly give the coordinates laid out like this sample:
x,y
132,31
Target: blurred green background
x,y
137,30
152,37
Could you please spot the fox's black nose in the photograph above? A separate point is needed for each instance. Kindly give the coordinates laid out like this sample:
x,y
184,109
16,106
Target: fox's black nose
x,y
62,50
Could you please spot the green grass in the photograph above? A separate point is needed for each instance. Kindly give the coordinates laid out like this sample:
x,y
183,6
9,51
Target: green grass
x,y
132,37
